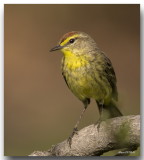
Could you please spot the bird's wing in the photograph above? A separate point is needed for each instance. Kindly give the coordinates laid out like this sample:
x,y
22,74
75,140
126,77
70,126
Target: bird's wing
x,y
65,79
111,77
63,74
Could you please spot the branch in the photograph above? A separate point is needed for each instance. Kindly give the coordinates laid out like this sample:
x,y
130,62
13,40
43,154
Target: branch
x,y
116,133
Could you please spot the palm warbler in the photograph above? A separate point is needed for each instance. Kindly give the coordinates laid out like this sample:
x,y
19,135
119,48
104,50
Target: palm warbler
x,y
89,74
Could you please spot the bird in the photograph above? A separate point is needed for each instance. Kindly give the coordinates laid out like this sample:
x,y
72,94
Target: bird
x,y
89,74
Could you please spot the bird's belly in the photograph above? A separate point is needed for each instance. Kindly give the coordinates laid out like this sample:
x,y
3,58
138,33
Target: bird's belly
x,y
84,85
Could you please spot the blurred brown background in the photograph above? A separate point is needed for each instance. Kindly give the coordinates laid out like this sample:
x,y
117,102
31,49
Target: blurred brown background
x,y
39,108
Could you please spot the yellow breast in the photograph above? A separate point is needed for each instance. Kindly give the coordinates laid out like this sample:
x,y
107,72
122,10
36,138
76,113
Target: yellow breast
x,y
74,61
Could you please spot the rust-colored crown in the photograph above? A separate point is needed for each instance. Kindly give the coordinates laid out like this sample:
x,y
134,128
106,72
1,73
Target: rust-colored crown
x,y
68,35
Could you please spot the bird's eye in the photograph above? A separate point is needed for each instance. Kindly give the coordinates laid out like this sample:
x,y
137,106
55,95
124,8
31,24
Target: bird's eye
x,y
71,40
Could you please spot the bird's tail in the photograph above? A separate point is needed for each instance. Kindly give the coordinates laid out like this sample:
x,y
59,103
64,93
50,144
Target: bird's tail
x,y
109,110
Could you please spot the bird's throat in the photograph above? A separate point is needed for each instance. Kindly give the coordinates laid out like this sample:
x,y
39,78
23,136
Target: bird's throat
x,y
74,61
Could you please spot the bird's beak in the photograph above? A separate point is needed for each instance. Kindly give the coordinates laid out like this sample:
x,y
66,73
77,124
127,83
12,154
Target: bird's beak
x,y
56,48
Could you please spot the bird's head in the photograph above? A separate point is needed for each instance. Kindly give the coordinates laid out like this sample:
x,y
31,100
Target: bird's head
x,y
75,42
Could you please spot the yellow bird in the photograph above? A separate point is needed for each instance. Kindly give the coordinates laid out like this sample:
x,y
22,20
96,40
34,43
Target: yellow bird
x,y
89,74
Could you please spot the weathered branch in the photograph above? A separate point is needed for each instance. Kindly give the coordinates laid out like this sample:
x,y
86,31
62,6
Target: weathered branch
x,y
116,133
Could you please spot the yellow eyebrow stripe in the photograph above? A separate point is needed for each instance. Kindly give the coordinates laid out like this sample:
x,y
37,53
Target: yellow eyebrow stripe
x,y
67,40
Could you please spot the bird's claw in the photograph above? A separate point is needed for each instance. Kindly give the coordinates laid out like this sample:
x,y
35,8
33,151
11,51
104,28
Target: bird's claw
x,y
98,124
69,140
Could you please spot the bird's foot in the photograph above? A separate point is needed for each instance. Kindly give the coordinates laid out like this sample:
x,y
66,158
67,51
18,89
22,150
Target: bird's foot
x,y
69,140
98,124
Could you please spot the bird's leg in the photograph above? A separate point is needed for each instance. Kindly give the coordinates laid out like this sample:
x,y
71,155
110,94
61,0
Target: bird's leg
x,y
100,118
76,126
100,106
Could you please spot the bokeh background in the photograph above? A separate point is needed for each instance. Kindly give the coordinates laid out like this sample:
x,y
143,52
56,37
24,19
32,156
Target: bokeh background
x,y
39,108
